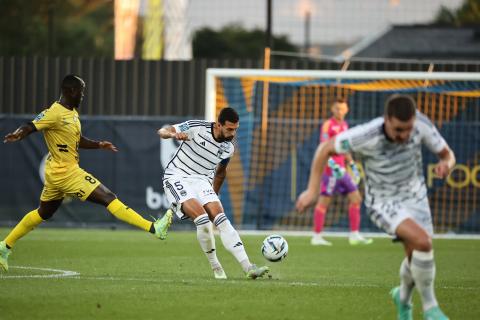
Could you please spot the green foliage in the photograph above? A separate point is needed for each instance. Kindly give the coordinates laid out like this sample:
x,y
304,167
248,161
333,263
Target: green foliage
x,y
233,41
132,275
78,27
468,14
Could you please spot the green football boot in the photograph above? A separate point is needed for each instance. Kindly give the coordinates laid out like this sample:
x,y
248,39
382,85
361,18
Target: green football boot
x,y
161,225
4,253
219,273
255,272
434,314
404,311
356,239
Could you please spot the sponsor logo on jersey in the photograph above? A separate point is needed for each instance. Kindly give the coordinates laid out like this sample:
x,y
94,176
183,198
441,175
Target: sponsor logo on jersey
x,y
224,148
39,116
345,144
184,127
208,192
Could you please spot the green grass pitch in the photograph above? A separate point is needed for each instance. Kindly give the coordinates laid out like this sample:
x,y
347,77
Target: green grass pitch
x,y
131,275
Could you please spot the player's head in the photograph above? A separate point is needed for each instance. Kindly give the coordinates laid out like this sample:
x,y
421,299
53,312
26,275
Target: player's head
x,y
73,88
339,108
228,122
399,115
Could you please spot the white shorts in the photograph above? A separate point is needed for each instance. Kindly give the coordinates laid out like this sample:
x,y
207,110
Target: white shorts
x,y
388,215
179,190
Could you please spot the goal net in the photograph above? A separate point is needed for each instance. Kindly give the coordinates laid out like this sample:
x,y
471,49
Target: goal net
x,y
280,117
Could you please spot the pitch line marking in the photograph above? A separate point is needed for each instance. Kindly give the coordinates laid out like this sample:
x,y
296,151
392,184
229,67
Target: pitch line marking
x,y
76,276
264,282
57,273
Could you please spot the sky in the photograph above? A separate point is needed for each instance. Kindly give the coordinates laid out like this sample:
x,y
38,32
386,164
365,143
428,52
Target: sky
x,y
332,21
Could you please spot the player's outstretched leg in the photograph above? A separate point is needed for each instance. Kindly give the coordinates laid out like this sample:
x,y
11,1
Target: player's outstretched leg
x,y
207,243
27,224
232,242
102,195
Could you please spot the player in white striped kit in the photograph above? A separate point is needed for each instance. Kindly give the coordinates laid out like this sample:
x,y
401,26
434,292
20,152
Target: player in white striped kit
x,y
193,178
395,191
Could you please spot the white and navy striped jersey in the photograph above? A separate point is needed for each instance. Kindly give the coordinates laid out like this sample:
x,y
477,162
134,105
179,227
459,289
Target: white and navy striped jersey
x,y
199,156
393,171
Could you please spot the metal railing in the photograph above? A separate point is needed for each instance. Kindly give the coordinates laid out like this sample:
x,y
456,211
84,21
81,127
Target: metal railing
x,y
152,88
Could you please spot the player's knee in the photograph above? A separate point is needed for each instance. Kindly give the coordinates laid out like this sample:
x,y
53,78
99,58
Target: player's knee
x,y
423,243
323,202
356,202
45,214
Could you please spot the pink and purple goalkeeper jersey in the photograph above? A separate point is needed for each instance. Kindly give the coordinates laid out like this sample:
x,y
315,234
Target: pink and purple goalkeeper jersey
x,y
331,128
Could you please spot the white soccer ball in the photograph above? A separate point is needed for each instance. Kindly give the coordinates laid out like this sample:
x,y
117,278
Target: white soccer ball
x,y
274,248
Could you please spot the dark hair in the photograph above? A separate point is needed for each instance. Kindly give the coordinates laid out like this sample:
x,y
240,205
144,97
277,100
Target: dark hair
x,y
72,81
400,106
228,114
340,100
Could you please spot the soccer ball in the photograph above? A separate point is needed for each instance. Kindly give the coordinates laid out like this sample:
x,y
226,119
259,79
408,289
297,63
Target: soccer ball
x,y
274,248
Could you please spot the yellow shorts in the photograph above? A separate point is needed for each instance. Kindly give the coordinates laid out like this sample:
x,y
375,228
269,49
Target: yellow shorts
x,y
76,182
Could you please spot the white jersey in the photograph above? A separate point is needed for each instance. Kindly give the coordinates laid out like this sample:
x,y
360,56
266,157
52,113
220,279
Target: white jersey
x,y
393,171
199,156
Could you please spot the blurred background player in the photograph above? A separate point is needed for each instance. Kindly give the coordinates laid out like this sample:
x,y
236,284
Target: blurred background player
x,y
63,135
396,194
335,180
192,181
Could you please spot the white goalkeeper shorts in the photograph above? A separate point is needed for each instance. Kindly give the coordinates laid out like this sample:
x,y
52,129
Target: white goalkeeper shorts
x,y
179,190
388,215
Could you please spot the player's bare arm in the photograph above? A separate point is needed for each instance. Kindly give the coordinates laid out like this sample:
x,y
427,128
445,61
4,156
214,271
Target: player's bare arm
x,y
86,143
171,133
20,133
220,175
446,163
309,196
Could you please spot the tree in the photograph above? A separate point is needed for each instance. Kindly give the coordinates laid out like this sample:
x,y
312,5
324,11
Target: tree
x,y
233,41
56,27
467,14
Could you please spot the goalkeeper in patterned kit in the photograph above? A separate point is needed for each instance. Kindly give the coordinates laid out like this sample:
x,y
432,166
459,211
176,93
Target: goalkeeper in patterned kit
x,y
192,181
335,180
395,192
61,127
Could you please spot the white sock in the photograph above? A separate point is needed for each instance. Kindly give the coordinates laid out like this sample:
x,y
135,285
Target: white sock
x,y
207,240
406,282
231,240
423,273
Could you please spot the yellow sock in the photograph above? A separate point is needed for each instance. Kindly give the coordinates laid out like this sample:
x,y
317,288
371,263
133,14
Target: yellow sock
x,y
128,215
27,224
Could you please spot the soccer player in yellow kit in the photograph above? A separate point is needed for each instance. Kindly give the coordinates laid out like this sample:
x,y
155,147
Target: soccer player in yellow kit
x,y
62,130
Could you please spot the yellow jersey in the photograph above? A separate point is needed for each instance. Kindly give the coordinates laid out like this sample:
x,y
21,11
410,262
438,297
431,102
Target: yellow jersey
x,y
62,131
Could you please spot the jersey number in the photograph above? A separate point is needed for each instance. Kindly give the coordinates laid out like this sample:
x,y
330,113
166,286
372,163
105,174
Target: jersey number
x,y
80,193
178,185
90,179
